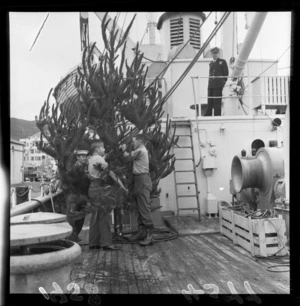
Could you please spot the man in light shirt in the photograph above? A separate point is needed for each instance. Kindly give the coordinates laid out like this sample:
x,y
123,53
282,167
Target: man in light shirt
x,y
102,198
142,188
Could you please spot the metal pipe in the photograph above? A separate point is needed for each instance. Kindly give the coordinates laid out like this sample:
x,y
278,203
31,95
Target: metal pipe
x,y
248,43
30,205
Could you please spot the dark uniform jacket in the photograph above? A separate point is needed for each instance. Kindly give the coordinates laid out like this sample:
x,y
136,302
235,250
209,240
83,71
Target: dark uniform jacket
x,y
217,68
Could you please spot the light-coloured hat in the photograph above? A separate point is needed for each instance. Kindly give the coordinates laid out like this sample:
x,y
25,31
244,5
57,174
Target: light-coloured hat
x,y
81,152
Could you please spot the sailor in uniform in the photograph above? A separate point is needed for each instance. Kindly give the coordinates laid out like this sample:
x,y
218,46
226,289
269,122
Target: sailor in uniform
x,y
217,67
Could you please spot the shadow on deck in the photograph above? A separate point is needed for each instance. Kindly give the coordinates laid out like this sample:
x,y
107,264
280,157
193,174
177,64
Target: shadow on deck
x,y
170,266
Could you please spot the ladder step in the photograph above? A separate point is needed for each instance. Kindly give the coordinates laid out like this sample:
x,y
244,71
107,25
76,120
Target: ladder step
x,y
186,183
184,159
187,196
184,170
185,147
183,135
192,208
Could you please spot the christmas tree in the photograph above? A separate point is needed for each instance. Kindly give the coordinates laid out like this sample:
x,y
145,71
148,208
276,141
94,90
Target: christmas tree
x,y
114,101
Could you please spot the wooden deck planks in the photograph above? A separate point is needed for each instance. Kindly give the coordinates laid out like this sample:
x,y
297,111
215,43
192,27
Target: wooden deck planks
x,y
89,266
170,266
157,266
178,267
133,287
140,275
145,254
244,267
100,276
210,271
123,274
225,270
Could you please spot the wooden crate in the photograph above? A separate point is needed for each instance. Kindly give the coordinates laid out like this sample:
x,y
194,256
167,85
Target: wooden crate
x,y
263,237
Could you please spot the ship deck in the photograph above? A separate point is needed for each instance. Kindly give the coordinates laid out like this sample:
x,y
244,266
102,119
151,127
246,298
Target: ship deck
x,y
204,262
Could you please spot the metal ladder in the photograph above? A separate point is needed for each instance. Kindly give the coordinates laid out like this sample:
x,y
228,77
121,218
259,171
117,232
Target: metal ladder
x,y
186,124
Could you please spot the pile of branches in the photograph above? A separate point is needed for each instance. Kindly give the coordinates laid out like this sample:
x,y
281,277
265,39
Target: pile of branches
x,y
244,210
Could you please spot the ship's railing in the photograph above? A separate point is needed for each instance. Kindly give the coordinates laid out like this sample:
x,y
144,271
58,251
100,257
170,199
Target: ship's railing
x,y
45,188
263,92
31,205
273,91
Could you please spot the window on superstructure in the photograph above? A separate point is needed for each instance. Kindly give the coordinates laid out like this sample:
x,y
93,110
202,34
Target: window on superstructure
x,y
176,31
194,32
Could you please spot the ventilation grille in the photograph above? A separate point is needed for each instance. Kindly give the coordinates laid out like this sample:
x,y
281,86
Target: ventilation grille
x,y
194,32
176,31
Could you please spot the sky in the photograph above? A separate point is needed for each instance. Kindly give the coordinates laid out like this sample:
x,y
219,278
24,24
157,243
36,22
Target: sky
x,y
57,49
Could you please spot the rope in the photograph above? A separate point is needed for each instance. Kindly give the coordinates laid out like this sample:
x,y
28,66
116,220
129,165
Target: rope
x,y
283,265
20,195
51,197
40,203
160,234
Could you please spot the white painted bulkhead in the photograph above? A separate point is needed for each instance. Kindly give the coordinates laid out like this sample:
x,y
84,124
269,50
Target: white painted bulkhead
x,y
229,136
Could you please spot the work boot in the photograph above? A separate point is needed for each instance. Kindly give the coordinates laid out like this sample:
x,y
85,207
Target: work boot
x,y
140,235
149,238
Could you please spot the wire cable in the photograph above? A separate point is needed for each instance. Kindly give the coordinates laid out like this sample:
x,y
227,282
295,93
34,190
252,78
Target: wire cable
x,y
38,34
274,62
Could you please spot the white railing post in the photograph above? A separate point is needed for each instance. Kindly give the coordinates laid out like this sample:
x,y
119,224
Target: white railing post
x,y
13,197
29,193
265,92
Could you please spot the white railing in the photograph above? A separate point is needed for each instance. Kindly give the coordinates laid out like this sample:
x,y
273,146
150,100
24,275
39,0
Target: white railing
x,y
270,91
260,92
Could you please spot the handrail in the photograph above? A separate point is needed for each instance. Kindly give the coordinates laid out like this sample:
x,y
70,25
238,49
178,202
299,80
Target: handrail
x,y
34,203
264,91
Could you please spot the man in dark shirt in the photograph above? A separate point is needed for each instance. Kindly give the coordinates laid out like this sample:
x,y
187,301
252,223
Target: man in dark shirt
x,y
217,69
77,195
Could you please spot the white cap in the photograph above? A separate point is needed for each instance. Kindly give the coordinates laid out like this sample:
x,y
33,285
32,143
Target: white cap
x,y
81,152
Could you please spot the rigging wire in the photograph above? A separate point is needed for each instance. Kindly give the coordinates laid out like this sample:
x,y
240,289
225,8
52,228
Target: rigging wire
x,y
38,34
242,103
269,66
284,68
172,60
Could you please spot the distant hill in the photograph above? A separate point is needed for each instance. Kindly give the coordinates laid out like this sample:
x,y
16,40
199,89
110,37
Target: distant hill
x,y
20,128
